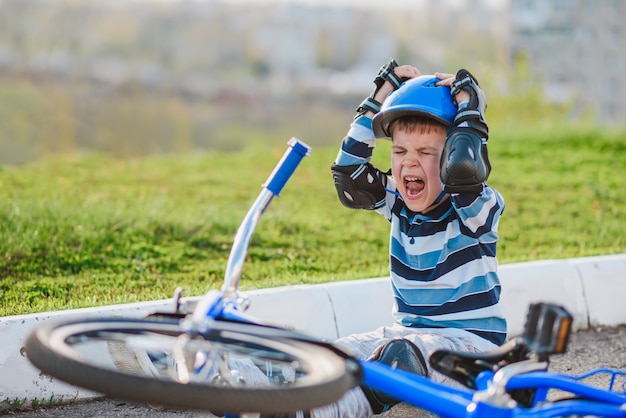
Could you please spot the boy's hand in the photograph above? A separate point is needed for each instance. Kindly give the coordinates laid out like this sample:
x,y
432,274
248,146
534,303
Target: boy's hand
x,y
388,79
465,89
448,80
465,162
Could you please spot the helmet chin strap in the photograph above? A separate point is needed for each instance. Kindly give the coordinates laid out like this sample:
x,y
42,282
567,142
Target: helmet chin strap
x,y
440,197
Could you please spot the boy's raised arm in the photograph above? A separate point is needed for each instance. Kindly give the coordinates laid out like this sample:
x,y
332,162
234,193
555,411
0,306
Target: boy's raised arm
x,y
359,184
465,162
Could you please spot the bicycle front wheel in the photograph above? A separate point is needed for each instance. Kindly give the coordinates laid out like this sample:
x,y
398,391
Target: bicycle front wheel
x,y
229,369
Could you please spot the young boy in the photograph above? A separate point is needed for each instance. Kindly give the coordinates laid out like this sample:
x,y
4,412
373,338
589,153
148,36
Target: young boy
x,y
443,216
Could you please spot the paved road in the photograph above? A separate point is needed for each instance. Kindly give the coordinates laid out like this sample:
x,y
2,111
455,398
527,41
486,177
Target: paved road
x,y
588,349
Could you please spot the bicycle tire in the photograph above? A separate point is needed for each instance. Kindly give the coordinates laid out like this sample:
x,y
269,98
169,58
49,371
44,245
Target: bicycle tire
x,y
320,375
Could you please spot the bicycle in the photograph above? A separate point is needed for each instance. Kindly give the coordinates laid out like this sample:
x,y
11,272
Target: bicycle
x,y
213,356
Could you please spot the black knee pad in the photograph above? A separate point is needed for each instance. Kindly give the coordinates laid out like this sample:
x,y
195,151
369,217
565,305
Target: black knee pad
x,y
397,353
464,163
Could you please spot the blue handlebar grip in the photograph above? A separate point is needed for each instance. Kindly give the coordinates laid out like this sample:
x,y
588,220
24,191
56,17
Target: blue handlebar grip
x,y
287,165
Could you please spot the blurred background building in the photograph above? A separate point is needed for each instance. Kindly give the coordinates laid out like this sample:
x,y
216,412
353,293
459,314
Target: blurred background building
x,y
577,49
189,73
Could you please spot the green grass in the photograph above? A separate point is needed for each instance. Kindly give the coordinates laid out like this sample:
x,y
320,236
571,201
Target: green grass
x,y
92,230
10,406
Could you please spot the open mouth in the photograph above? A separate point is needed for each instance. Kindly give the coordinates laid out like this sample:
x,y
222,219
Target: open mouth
x,y
414,186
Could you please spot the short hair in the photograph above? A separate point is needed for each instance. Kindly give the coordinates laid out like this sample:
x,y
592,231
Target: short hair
x,y
415,123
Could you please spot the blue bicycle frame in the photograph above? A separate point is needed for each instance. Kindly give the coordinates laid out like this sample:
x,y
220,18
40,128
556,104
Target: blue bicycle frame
x,y
490,400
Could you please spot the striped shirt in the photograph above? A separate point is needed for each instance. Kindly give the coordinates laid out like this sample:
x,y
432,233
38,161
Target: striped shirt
x,y
443,263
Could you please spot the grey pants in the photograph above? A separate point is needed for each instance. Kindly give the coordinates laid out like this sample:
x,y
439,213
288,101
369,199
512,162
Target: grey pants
x,y
354,404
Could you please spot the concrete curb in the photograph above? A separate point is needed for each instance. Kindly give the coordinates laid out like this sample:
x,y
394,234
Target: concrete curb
x,y
592,288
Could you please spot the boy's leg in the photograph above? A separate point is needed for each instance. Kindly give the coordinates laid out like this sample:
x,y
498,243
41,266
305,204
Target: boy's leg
x,y
363,402
354,404
399,353
382,345
429,340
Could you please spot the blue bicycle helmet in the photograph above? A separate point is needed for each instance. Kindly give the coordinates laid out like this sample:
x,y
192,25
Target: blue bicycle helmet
x,y
416,96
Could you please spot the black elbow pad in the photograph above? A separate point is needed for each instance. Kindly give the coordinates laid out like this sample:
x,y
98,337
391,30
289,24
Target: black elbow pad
x,y
465,162
359,186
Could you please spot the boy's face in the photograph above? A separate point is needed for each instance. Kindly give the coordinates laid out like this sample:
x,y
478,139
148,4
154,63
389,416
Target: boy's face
x,y
415,166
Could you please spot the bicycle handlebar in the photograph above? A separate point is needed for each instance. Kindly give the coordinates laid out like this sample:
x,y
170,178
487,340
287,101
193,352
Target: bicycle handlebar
x,y
287,165
276,181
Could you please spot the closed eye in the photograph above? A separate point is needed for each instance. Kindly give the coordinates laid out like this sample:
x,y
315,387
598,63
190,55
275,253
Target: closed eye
x,y
428,151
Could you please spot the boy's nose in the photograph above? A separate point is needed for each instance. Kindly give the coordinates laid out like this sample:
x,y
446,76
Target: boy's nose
x,y
410,161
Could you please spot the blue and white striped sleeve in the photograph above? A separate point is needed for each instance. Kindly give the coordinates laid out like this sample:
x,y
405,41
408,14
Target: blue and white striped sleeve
x,y
358,145
479,214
